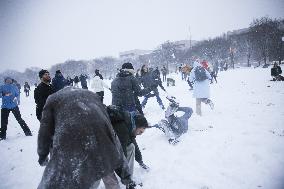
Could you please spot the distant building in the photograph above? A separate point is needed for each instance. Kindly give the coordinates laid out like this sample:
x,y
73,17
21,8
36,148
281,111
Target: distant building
x,y
184,44
133,54
243,31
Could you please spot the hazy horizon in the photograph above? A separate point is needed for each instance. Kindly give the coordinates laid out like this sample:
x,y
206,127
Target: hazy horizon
x,y
44,33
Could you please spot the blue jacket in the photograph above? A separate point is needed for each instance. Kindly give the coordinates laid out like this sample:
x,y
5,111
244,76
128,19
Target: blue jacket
x,y
11,91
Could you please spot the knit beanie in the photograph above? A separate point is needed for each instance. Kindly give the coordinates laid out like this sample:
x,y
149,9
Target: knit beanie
x,y
42,72
127,65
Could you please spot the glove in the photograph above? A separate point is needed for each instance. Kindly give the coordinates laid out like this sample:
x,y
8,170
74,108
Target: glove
x,y
173,141
131,185
43,161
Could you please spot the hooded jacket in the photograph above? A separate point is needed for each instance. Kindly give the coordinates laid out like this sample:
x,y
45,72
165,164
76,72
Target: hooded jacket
x,y
8,92
125,89
201,89
97,84
59,82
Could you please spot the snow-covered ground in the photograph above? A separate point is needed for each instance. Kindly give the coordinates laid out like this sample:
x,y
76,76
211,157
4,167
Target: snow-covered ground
x,y
238,145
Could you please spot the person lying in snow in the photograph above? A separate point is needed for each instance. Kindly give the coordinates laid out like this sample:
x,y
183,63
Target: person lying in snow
x,y
174,126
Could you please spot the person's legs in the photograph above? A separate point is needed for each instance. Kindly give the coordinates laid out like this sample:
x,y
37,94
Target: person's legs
x,y
208,101
96,184
111,181
22,123
101,94
130,158
215,78
190,84
144,102
159,100
4,122
198,106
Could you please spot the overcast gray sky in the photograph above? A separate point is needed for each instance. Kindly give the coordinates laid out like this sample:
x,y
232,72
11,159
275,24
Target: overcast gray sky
x,y
45,32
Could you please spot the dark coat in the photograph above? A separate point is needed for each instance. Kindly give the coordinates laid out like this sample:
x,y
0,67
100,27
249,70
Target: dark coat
x,y
59,82
151,80
84,145
122,125
275,71
164,71
125,89
76,79
83,79
27,87
41,92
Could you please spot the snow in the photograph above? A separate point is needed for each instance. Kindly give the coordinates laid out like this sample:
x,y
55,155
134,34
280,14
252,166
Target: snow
x,y
240,144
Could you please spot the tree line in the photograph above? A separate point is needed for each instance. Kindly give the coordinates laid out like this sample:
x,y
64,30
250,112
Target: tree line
x,y
259,44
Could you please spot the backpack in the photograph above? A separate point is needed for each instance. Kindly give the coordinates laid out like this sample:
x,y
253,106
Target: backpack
x,y
200,73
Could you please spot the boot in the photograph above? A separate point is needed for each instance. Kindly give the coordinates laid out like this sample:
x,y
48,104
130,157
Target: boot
x,y
28,132
210,103
2,135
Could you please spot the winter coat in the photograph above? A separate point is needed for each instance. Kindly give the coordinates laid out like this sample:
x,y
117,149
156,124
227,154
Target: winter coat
x,y
122,125
186,69
276,70
151,80
164,71
59,82
76,79
8,92
85,147
83,80
98,84
125,89
69,81
27,87
201,89
41,92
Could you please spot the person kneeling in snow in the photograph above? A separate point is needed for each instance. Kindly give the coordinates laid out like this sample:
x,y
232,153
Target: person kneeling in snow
x,y
77,133
174,126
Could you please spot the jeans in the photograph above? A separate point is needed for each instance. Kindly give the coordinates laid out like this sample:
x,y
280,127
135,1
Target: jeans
x,y
156,93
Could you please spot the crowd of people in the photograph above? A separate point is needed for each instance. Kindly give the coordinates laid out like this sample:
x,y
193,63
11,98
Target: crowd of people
x,y
99,140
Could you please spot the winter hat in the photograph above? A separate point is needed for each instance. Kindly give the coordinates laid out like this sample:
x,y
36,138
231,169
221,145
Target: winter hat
x,y
97,72
42,72
140,121
58,72
127,65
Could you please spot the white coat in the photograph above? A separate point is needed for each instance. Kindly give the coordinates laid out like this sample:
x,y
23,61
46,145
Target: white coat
x,y
97,84
201,89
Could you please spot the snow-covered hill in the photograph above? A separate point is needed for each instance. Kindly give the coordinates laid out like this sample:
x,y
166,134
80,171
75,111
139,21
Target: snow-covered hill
x,y
238,145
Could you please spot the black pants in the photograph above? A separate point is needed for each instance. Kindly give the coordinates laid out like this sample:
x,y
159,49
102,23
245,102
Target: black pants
x,y
27,93
164,78
190,84
138,155
4,120
101,94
